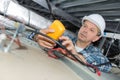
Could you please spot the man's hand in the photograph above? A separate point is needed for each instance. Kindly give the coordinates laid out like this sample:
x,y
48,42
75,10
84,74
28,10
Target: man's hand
x,y
68,44
43,41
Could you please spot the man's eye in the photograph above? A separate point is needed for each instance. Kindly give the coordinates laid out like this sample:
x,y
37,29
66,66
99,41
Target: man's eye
x,y
84,26
92,30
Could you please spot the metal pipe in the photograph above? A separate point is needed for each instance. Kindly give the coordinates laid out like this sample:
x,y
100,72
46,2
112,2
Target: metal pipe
x,y
22,14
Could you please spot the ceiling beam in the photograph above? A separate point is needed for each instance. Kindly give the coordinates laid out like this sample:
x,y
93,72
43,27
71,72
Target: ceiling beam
x,y
95,7
59,12
104,13
79,3
58,1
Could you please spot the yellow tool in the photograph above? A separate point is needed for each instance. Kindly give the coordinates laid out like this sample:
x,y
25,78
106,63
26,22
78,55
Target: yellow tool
x,y
59,29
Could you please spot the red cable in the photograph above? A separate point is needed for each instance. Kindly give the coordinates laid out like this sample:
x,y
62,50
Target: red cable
x,y
94,67
51,54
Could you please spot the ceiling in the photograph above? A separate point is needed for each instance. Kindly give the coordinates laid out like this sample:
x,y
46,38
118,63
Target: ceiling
x,y
70,12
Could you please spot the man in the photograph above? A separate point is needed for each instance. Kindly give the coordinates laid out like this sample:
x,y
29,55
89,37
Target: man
x,y
91,30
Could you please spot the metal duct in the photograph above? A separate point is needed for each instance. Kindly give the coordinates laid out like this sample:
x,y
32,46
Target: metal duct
x,y
7,22
22,14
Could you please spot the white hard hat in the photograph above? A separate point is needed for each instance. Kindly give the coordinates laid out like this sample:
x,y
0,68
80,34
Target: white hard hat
x,y
96,19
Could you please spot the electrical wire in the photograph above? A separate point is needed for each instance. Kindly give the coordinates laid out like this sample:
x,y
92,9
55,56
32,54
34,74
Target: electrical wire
x,y
50,9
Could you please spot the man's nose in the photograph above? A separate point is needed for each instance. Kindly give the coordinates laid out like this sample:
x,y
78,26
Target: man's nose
x,y
86,30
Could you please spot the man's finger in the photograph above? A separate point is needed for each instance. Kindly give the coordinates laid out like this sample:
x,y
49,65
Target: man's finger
x,y
42,38
45,44
45,31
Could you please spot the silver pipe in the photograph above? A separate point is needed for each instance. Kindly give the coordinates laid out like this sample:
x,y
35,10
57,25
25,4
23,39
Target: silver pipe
x,y
7,22
22,14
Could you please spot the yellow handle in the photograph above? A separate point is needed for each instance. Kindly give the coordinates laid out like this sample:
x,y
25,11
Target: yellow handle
x,y
59,29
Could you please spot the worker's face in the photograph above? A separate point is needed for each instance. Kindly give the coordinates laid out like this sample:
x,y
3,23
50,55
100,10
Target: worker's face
x,y
88,32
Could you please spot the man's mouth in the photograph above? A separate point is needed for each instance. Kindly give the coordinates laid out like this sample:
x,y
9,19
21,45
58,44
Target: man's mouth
x,y
83,35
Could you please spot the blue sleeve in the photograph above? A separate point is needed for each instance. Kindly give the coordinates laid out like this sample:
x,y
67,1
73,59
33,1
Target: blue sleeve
x,y
31,36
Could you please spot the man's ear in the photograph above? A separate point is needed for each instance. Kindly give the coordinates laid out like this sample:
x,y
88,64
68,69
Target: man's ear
x,y
96,38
